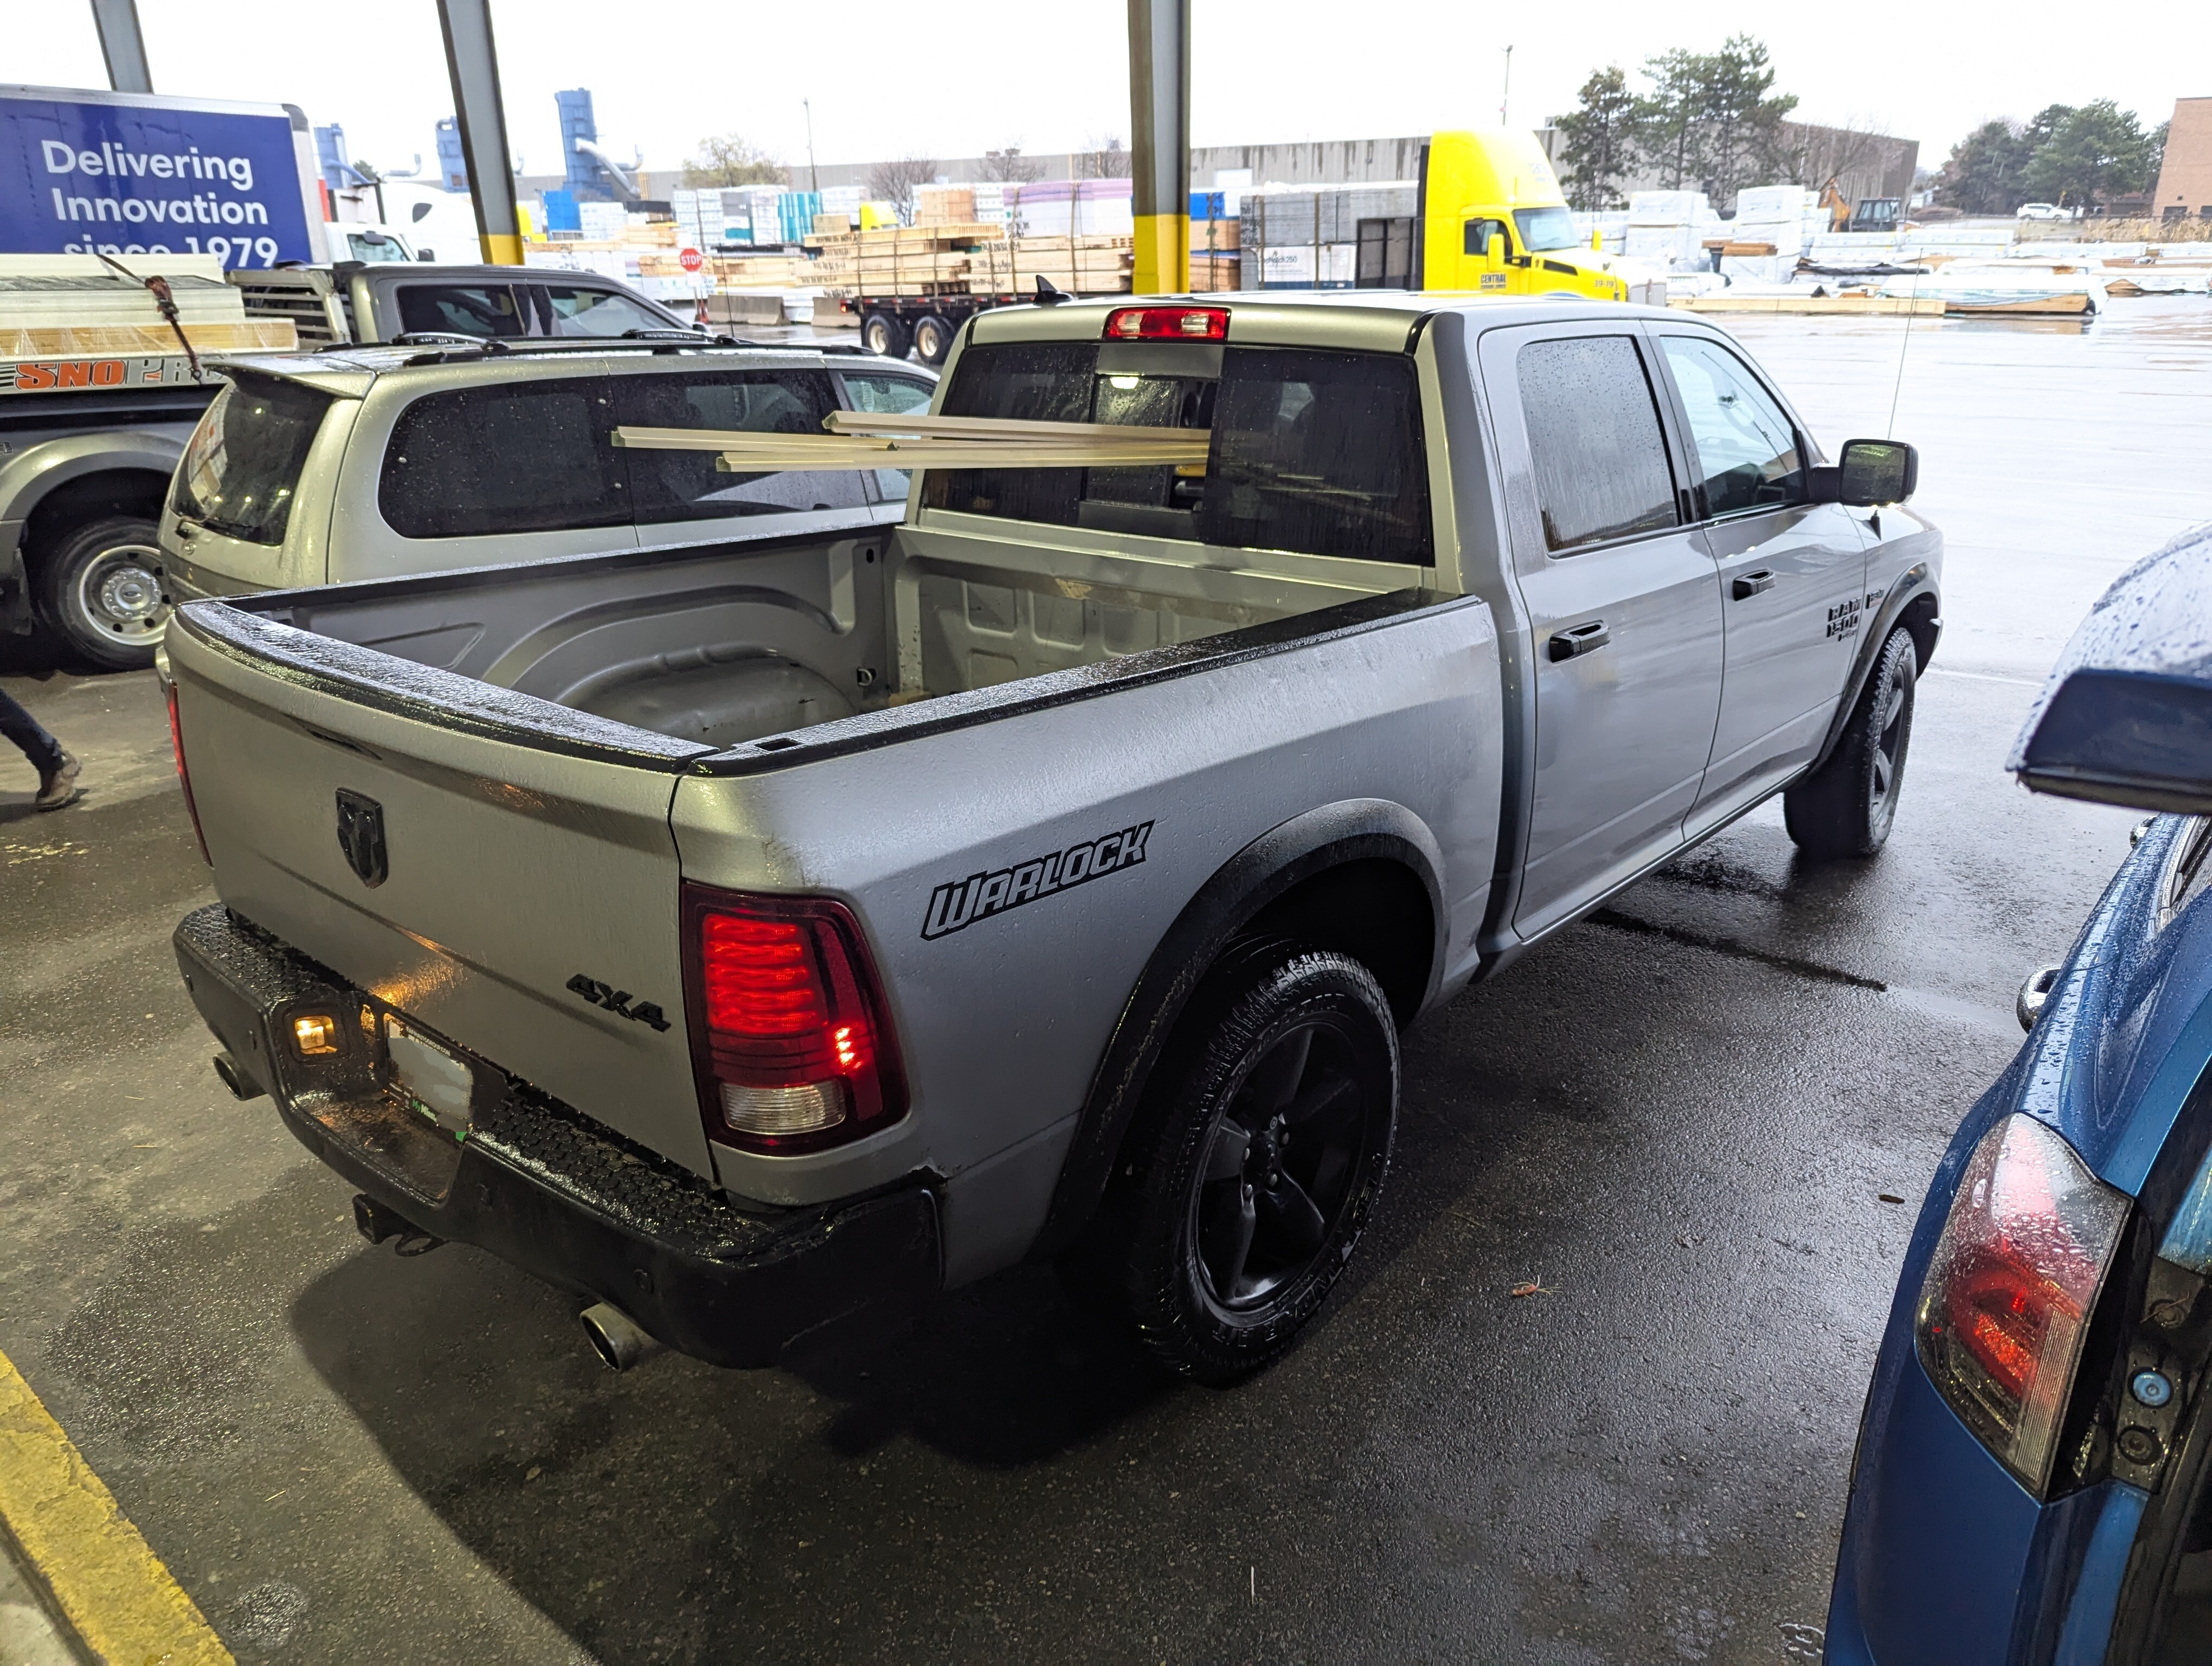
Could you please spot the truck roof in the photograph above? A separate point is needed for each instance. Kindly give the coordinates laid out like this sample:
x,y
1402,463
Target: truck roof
x,y
1375,319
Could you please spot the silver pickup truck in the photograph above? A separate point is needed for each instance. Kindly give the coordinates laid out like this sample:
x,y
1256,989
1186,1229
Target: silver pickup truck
x,y
747,936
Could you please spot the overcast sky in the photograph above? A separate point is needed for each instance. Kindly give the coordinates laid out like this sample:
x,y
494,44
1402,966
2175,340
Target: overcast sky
x,y
1054,75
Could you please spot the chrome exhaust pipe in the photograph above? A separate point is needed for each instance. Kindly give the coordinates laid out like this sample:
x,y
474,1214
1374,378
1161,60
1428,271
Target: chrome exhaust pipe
x,y
616,1337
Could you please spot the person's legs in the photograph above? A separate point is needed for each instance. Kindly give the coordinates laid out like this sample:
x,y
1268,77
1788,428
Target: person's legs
x,y
20,727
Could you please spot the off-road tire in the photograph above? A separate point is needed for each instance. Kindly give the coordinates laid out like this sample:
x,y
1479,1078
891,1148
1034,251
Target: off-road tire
x,y
932,338
1316,1124
887,334
99,590
1847,806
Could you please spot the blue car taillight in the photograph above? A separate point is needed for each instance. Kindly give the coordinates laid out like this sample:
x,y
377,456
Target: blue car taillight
x,y
2009,1292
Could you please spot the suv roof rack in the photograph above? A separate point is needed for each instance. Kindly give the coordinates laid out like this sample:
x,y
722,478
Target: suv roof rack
x,y
452,348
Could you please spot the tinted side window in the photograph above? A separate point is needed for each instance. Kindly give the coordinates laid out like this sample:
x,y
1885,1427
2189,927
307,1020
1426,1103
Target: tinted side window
x,y
1746,449
519,457
1601,457
687,485
1041,382
876,392
1318,452
1475,236
472,309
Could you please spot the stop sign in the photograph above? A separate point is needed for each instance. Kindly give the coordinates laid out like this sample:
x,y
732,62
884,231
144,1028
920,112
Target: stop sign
x,y
691,261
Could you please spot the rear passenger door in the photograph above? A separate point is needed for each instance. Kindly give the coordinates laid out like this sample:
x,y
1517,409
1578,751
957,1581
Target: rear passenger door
x,y
1624,610
680,495
1791,573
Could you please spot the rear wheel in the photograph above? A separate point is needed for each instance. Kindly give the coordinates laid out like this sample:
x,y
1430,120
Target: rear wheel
x,y
1847,807
885,333
1255,1162
100,590
932,338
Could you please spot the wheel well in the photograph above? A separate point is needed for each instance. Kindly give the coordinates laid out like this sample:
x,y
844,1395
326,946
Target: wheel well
x,y
1376,910
92,497
1919,619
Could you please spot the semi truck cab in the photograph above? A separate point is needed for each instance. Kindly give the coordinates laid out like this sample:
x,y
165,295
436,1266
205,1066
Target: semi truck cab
x,y
1495,221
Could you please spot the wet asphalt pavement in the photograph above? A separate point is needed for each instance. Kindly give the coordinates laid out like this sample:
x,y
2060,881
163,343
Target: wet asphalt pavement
x,y
1676,1119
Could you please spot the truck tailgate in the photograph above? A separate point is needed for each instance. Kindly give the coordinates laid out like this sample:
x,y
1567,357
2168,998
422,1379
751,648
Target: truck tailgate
x,y
483,864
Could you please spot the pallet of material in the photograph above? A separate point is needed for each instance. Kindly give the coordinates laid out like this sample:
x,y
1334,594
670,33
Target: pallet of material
x,y
1814,306
247,336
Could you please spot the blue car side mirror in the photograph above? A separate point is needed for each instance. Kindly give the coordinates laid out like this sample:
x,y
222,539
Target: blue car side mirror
x,y
2125,717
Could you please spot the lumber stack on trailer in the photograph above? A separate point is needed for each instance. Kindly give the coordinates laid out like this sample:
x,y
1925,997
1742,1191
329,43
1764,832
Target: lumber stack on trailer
x,y
970,259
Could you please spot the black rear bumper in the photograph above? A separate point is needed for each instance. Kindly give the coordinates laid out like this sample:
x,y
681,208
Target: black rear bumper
x,y
548,1190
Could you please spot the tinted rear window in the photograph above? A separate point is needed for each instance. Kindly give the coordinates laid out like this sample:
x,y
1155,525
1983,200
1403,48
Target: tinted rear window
x,y
1316,452
243,463
461,309
516,458
1594,435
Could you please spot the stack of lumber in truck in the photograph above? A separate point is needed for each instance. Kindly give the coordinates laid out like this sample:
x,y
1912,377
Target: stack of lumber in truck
x,y
75,303
965,259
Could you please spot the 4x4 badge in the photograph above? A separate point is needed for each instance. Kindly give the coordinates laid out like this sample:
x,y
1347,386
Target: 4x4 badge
x,y
361,836
616,1001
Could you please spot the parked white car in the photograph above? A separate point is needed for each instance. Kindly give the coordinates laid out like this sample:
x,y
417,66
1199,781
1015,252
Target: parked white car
x,y
2042,211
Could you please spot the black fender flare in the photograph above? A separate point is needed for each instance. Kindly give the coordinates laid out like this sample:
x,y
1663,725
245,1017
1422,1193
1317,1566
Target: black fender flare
x,y
1360,829
1917,582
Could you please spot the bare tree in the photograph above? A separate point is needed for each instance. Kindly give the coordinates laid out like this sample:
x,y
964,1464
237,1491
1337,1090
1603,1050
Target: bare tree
x,y
1105,158
895,182
1012,166
1856,155
729,159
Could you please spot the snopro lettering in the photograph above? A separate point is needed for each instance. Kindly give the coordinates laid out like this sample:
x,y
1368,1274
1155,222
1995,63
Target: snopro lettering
x,y
959,904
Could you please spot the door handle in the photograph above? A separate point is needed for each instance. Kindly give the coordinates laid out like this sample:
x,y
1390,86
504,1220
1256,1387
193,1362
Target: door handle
x,y
1750,583
1579,639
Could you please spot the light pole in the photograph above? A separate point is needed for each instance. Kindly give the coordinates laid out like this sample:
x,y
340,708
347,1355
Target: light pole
x,y
813,173
1505,93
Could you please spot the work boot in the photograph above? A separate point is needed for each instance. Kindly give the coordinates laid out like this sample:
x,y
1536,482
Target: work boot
x,y
58,786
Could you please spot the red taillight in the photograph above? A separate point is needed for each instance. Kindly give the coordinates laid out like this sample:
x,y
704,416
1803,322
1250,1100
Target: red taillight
x,y
2007,1300
792,1046
185,775
1167,324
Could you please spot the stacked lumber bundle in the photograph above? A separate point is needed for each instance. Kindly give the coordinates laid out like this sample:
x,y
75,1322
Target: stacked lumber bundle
x,y
974,258
75,303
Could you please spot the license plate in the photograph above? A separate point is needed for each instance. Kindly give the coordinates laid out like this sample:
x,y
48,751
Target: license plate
x,y
435,1082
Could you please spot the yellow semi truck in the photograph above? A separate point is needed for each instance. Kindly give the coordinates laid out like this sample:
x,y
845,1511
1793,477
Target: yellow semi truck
x,y
1492,219
1485,216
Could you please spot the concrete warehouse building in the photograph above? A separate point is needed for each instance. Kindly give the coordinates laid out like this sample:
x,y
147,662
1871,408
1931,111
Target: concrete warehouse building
x,y
2184,177
1864,164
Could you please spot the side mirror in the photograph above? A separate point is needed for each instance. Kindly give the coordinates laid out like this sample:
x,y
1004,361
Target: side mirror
x,y
1872,474
425,254
1597,238
1493,252
2126,715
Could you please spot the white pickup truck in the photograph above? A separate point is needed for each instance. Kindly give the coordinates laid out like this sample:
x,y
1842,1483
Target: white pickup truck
x,y
746,934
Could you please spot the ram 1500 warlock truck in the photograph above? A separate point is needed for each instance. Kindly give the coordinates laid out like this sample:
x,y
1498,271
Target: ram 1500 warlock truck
x,y
748,934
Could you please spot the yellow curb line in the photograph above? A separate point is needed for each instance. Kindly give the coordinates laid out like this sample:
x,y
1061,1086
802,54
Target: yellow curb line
x,y
122,1603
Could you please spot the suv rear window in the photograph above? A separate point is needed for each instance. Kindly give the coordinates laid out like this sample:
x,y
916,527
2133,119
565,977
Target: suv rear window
x,y
1312,451
242,464
461,309
516,457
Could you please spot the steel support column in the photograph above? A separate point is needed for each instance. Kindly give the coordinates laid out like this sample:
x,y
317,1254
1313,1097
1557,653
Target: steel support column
x,y
1159,135
122,45
473,65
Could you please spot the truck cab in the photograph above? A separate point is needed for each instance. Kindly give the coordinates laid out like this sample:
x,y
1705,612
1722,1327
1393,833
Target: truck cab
x,y
1494,221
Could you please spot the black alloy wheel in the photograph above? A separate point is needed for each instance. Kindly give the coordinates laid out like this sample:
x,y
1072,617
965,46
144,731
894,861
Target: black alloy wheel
x,y
1258,1160
1847,806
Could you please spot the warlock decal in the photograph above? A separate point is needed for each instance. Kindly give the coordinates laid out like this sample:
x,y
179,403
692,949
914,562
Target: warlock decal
x,y
959,904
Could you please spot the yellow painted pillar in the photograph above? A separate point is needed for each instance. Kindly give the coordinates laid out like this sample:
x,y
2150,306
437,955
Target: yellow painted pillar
x,y
472,64
1159,123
